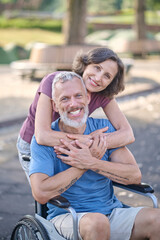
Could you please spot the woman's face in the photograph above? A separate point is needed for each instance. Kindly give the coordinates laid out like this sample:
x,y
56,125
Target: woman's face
x,y
98,76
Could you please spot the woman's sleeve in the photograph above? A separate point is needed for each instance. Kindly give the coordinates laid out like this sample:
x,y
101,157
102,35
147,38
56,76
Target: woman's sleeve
x,y
46,84
97,100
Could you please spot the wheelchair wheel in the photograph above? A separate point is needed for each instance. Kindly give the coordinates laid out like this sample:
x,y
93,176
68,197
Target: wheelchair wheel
x,y
29,228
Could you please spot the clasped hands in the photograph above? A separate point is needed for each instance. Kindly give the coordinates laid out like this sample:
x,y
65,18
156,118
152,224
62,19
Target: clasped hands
x,y
82,151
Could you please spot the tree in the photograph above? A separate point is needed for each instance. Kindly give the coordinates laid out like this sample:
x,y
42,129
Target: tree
x,y
140,26
75,26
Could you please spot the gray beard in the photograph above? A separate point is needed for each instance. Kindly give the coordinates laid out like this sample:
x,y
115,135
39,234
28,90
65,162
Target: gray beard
x,y
73,123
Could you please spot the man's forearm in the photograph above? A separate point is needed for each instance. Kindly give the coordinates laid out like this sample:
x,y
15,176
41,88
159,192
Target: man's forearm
x,y
49,187
118,172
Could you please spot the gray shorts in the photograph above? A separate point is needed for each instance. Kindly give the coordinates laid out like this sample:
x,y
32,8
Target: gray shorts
x,y
121,223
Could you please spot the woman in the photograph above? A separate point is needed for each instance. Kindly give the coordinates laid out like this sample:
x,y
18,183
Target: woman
x,y
103,75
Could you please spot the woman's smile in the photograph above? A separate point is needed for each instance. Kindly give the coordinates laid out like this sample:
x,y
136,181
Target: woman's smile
x,y
93,82
98,76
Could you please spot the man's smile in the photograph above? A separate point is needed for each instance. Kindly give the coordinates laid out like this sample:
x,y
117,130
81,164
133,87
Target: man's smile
x,y
75,112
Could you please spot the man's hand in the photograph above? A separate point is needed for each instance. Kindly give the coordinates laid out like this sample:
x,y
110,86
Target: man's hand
x,y
99,146
88,143
78,156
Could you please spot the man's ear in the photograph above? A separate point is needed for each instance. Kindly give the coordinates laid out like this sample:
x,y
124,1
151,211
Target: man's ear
x,y
54,106
88,97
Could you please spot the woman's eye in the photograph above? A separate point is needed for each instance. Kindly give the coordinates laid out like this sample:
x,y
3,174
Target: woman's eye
x,y
97,67
108,76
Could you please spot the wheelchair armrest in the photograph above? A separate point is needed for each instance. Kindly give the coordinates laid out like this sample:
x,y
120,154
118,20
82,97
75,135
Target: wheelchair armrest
x,y
141,188
26,158
60,202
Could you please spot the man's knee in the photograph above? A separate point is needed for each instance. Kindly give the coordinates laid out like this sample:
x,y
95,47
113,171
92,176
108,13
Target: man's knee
x,y
153,224
96,224
154,217
147,224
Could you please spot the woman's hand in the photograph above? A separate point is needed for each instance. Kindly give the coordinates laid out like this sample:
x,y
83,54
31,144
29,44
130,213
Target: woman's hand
x,y
86,139
79,155
99,146
73,143
99,132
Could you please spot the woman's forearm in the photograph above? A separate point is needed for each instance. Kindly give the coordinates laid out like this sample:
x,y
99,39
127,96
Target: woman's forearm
x,y
124,134
50,137
43,119
43,133
119,138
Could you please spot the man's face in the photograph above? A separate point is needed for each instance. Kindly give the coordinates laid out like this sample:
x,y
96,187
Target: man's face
x,y
71,101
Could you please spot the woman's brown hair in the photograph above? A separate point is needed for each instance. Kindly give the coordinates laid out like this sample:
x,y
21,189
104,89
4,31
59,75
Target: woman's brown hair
x,y
98,55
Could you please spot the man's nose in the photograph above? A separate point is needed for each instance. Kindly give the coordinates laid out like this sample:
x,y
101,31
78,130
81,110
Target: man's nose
x,y
73,101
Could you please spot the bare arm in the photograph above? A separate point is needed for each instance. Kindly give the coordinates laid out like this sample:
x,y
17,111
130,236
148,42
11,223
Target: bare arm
x,y
46,136
124,134
45,187
43,119
122,168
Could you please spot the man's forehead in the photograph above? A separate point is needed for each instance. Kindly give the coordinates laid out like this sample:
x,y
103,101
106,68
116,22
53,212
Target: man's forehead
x,y
70,83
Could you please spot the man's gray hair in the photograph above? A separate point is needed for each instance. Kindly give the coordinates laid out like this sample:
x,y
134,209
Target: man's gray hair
x,y
63,77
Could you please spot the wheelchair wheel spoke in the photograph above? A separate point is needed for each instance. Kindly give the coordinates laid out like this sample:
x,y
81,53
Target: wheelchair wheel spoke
x,y
29,229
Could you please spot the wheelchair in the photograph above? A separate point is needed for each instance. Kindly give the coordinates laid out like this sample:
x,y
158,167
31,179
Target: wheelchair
x,y
39,228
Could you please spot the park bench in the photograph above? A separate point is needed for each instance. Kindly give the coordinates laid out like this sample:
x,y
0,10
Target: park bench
x,y
49,58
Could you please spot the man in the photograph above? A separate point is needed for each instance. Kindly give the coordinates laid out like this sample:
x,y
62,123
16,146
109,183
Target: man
x,y
85,180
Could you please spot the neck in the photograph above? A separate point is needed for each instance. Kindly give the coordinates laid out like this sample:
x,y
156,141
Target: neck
x,y
68,129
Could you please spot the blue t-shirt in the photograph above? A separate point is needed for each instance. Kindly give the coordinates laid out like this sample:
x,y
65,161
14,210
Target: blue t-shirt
x,y
92,192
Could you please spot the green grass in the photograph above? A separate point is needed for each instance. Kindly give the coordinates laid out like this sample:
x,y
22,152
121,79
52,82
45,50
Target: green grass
x,y
128,18
24,31
25,36
114,19
51,25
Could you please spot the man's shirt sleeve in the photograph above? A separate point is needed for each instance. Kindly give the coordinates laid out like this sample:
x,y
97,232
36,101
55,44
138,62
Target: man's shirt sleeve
x,y
41,159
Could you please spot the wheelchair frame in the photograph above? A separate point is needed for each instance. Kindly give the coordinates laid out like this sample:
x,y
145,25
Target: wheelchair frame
x,y
43,229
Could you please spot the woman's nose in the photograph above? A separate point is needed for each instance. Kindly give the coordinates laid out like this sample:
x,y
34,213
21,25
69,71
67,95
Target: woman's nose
x,y
98,76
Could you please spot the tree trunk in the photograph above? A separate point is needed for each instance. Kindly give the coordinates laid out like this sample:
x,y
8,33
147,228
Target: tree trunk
x,y
75,27
140,26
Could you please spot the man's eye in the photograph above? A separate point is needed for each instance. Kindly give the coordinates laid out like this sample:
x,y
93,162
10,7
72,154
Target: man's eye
x,y
79,95
64,99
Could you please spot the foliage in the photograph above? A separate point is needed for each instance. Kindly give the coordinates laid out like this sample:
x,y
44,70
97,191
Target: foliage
x,y
53,5
52,25
94,7
6,1
103,6
153,4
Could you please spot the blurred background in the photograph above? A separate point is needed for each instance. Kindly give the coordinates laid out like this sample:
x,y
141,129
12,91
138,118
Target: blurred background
x,y
119,24
41,36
